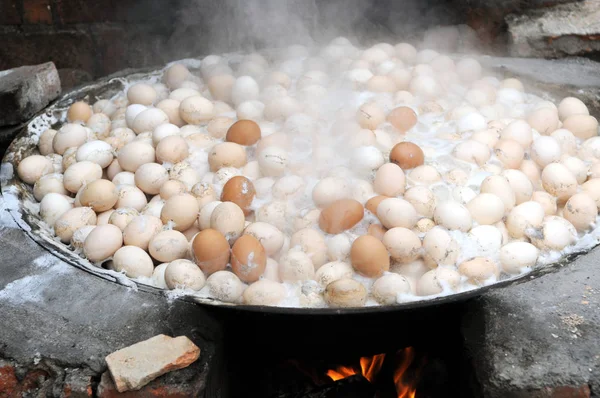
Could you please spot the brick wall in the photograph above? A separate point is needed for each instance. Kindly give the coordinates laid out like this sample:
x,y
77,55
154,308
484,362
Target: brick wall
x,y
86,38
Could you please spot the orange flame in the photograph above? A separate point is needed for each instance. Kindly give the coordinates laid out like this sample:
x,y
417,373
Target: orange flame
x,y
341,373
371,366
404,390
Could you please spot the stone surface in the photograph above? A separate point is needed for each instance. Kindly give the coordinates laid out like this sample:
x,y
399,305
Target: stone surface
x,y
135,366
27,90
562,30
541,336
576,77
53,312
70,78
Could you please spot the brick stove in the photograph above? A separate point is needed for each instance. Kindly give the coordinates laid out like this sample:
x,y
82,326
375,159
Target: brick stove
x,y
537,339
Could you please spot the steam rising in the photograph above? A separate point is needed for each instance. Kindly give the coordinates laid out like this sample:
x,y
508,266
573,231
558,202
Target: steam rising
x,y
249,25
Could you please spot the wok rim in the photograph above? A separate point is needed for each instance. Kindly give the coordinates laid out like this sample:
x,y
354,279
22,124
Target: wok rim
x,y
67,255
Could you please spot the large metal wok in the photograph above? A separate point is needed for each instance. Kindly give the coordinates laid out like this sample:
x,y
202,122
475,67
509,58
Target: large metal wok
x,y
17,195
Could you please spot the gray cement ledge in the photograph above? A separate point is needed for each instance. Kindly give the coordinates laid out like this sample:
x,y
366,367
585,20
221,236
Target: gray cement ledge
x,y
540,335
53,314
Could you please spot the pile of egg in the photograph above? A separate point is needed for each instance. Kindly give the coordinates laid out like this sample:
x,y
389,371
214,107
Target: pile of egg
x,y
337,176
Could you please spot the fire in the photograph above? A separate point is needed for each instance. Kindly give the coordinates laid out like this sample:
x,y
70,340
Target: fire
x,y
370,367
341,373
404,390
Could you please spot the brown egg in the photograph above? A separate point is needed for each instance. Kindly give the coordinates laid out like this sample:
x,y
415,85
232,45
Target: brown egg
x,y
79,112
244,132
372,203
248,258
407,155
402,118
182,210
100,195
240,191
210,250
369,256
341,215
377,231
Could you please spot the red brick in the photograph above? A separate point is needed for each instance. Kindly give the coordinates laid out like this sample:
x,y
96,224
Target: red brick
x,y
85,11
37,12
32,381
67,49
156,389
570,392
8,381
9,13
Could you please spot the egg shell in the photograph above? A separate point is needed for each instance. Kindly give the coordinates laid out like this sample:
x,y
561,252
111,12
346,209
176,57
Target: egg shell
x,y
135,154
386,289
407,155
424,175
100,195
478,270
96,151
225,286
389,180
228,218
422,199
182,210
333,271
102,243
172,149
345,293
499,186
374,202
248,258
403,244
453,215
122,216
434,281
311,242
49,183
79,112
402,118
510,153
150,177
296,265
369,256
472,151
394,212
175,75
558,181
268,235
167,246
486,209
244,132
171,108
99,126
45,142
79,237
204,193
33,167
71,220
581,211
440,246
582,126
171,187
340,216
370,116
516,256
70,135
264,292
210,250
226,154
184,274
128,194
141,93
141,230
273,161
240,191
133,261
53,206
556,233
524,218
148,119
